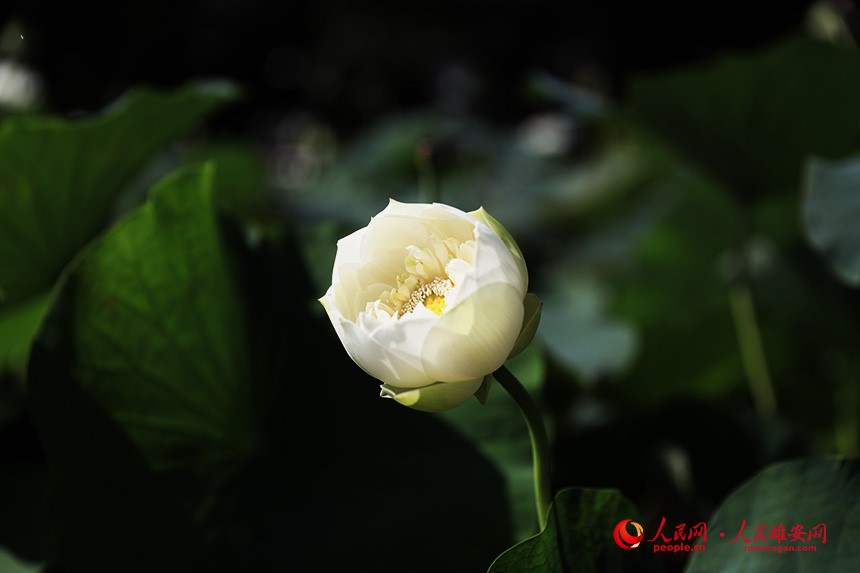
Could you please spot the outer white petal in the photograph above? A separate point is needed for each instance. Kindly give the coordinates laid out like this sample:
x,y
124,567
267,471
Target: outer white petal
x,y
483,318
389,351
493,263
482,215
476,337
433,398
428,212
403,224
392,352
348,253
395,207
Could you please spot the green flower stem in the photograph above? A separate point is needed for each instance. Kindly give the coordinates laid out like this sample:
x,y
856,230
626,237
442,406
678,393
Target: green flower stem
x,y
540,442
752,350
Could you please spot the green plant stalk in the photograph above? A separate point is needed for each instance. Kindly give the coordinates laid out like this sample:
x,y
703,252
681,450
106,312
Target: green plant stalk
x,y
752,350
541,454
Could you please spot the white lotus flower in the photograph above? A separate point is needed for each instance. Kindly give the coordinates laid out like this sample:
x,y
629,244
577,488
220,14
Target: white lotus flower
x,y
429,300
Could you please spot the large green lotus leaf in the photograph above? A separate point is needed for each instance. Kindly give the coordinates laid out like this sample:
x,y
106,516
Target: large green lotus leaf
x,y
58,177
821,496
830,211
155,329
578,537
18,325
751,119
58,181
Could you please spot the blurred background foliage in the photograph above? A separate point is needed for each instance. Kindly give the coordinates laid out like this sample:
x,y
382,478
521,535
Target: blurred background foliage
x,y
172,187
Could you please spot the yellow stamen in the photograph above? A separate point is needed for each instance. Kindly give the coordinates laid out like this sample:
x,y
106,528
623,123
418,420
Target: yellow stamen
x,y
437,289
435,303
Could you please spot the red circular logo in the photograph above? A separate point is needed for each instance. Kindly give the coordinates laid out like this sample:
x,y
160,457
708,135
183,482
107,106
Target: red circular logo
x,y
622,536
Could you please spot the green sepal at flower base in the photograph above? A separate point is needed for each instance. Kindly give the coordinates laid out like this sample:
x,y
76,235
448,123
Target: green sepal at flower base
x,y
435,397
531,319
